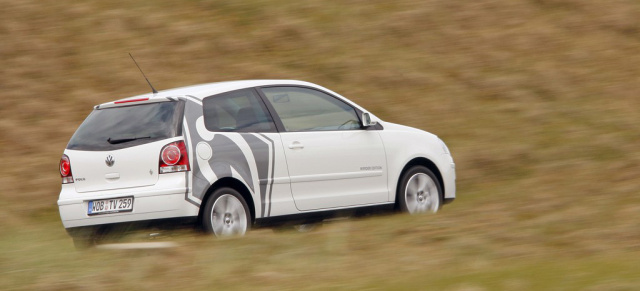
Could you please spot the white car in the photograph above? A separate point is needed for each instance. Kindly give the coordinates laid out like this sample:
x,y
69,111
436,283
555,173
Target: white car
x,y
230,155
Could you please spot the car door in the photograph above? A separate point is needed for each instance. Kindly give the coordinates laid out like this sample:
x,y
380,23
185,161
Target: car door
x,y
333,162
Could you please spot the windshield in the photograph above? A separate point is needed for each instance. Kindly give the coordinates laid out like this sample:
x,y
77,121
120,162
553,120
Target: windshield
x,y
127,126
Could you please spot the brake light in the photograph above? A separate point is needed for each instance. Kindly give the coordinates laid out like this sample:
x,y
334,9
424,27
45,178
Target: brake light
x,y
65,170
174,158
130,100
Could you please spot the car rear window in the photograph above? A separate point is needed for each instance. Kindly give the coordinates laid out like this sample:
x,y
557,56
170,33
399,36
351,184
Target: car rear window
x,y
121,127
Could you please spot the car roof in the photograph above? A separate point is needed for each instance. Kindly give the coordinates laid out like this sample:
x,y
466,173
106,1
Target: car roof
x,y
204,90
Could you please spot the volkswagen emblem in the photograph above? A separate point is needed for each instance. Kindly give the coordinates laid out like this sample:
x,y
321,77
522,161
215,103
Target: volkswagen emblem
x,y
110,161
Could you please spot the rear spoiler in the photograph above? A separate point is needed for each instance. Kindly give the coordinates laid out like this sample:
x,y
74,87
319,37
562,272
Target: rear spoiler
x,y
135,101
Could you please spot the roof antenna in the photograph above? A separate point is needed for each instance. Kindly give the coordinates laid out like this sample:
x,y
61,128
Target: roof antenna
x,y
145,77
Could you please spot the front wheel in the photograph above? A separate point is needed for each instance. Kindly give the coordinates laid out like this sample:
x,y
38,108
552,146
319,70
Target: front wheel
x,y
226,213
419,191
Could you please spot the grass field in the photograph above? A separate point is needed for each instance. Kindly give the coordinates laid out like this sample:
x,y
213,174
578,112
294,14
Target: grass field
x,y
536,99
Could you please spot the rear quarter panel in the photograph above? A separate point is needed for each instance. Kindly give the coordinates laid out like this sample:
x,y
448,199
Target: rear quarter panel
x,y
254,159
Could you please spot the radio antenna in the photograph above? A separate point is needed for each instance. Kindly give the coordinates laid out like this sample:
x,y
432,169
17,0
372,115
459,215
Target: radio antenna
x,y
145,77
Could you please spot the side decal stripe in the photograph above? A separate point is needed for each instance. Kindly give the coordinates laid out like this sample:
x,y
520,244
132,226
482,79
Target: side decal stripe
x,y
259,150
187,140
194,99
273,167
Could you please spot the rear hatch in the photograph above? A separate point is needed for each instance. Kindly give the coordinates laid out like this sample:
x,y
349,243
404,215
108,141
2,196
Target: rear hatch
x,y
119,147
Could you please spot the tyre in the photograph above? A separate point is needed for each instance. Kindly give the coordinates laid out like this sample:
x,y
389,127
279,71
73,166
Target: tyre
x,y
226,213
419,191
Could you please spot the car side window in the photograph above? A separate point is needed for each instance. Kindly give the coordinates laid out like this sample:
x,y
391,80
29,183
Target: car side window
x,y
236,111
303,109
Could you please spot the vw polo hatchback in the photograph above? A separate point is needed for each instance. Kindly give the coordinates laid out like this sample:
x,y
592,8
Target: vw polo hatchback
x,y
229,155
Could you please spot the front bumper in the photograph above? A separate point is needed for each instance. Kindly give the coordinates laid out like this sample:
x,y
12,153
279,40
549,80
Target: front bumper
x,y
449,178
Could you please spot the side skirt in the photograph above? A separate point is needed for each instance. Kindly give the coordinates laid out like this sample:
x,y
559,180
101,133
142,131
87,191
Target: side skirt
x,y
318,216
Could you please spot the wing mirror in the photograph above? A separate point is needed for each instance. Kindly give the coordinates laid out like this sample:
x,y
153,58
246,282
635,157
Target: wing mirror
x,y
366,120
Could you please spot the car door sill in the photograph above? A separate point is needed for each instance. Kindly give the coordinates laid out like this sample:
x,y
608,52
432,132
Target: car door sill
x,y
325,214
336,176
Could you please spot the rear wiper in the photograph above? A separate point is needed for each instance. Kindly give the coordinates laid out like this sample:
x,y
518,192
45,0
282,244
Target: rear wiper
x,y
126,139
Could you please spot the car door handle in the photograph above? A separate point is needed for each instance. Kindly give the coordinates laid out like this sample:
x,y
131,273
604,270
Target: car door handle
x,y
296,145
112,176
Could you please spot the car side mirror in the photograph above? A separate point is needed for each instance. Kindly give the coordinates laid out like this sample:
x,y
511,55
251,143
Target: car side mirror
x,y
366,120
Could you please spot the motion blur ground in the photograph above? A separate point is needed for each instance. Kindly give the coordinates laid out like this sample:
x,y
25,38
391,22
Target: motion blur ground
x,y
537,101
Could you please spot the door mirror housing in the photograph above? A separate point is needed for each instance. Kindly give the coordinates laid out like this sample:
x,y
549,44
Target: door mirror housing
x,y
366,120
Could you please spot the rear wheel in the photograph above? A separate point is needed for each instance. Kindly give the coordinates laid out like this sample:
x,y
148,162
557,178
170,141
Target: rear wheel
x,y
419,191
226,213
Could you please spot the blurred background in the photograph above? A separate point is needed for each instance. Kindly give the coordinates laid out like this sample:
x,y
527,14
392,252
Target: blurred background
x,y
536,99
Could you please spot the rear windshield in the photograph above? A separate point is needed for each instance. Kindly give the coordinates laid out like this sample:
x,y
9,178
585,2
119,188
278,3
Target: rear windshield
x,y
127,126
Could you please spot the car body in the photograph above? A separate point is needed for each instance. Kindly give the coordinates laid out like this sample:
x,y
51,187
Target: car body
x,y
242,152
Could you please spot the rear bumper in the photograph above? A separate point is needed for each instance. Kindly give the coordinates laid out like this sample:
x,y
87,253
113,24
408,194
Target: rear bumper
x,y
150,203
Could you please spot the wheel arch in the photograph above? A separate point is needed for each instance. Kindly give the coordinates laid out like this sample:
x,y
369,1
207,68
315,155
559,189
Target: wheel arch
x,y
421,161
231,183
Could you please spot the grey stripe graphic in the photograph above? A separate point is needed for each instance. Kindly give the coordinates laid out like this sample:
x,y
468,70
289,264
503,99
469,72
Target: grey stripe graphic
x,y
186,191
227,154
194,98
273,167
186,174
199,183
260,151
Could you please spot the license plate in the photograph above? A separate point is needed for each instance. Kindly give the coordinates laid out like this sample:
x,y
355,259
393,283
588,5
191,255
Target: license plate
x,y
114,205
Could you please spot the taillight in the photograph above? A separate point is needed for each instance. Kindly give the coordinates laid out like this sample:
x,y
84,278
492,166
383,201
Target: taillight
x,y
174,158
65,170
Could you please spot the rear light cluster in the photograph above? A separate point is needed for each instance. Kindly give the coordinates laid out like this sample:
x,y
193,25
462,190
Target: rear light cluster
x,y
65,170
174,158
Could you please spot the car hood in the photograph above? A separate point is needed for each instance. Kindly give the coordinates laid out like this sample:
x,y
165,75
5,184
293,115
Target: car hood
x,y
397,127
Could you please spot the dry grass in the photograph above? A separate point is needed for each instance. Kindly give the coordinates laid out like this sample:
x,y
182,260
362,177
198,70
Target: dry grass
x,y
537,100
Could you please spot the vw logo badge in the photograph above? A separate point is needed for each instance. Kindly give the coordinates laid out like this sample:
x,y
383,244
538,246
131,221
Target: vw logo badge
x,y
110,161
